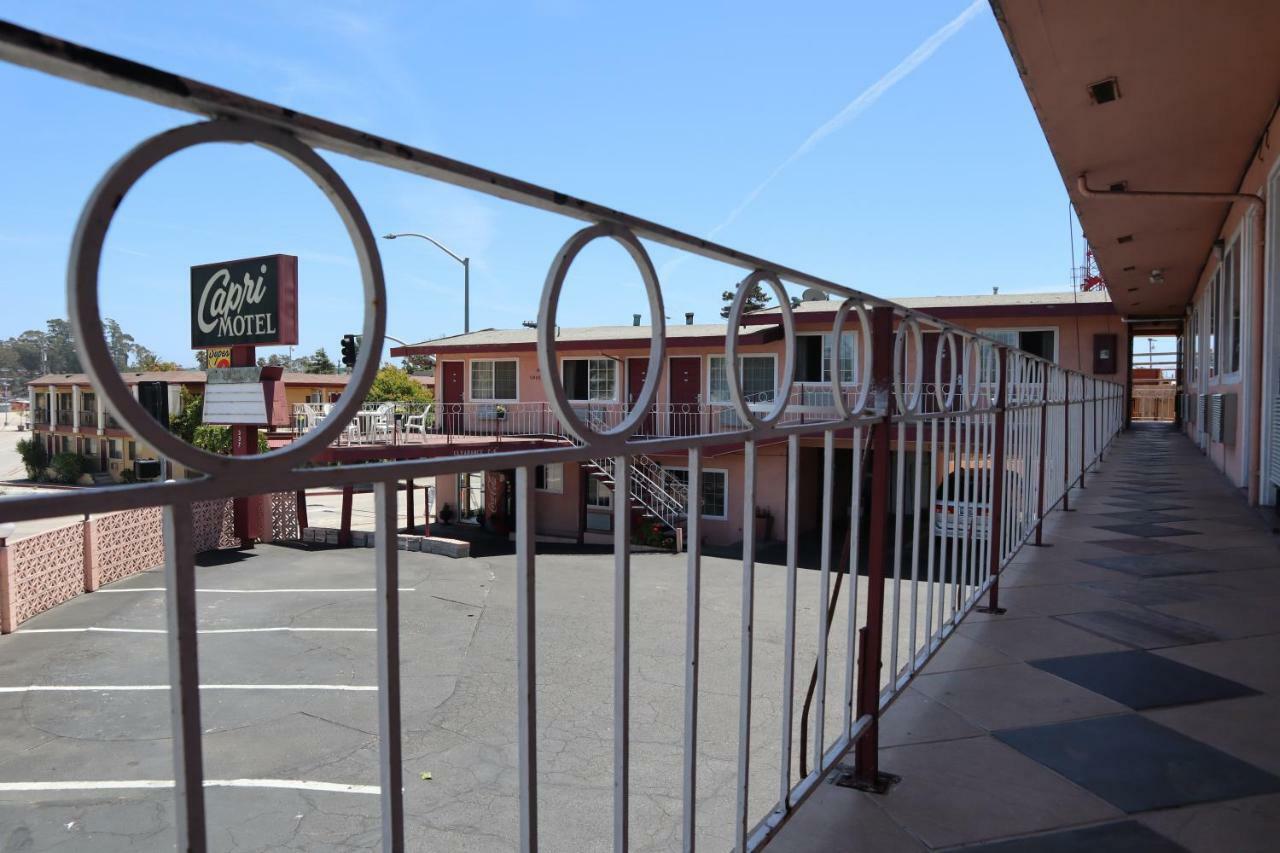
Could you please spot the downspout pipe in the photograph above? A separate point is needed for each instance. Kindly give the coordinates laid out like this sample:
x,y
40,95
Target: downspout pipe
x,y
1258,209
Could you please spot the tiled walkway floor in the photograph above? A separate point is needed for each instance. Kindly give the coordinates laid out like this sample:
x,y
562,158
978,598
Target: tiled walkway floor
x,y
1129,700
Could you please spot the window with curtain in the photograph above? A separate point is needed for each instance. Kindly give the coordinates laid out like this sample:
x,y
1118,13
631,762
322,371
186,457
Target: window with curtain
x,y
1231,309
549,478
590,378
493,380
1211,344
757,372
715,490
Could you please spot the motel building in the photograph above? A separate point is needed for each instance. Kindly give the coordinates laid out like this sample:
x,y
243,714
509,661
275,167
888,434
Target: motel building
x,y
491,394
70,417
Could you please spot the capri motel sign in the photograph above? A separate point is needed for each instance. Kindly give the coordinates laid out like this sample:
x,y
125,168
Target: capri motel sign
x,y
250,302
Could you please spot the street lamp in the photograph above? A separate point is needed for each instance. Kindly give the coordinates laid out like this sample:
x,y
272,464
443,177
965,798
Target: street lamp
x,y
466,273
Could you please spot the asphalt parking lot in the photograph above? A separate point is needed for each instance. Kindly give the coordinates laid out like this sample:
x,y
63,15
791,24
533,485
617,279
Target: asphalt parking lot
x,y
290,711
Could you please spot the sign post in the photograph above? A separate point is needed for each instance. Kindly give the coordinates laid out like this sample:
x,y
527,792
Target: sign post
x,y
237,306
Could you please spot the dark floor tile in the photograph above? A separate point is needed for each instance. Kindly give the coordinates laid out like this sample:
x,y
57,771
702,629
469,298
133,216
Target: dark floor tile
x,y
1137,765
1149,592
1152,566
1147,530
1122,837
1142,680
1143,628
1142,546
1145,516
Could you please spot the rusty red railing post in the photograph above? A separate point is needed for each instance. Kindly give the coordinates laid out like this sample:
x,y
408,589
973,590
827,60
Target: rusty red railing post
x,y
344,532
1044,423
300,505
867,751
996,528
408,506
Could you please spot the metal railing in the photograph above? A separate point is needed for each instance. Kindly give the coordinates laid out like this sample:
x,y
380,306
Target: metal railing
x,y
1003,444
88,417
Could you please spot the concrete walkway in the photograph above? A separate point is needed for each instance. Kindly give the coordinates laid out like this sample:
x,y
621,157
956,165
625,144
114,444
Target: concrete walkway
x,y
1128,699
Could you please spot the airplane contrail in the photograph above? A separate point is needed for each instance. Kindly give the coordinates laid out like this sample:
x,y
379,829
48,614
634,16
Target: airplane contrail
x,y
859,105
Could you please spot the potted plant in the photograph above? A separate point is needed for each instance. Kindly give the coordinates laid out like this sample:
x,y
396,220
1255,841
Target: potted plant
x,y
763,526
499,412
445,514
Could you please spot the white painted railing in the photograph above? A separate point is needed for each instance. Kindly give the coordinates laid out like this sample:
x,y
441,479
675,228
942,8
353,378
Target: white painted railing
x,y
1002,438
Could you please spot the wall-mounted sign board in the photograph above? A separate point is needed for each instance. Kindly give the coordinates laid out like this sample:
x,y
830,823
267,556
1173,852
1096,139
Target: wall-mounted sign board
x,y
249,302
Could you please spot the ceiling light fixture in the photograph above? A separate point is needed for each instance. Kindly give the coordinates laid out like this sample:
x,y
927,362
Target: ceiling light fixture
x,y
1105,91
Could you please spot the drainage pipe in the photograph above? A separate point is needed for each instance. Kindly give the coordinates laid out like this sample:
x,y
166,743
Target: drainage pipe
x,y
1258,209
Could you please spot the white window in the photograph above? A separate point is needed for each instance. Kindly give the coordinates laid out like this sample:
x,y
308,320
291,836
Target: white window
x,y
599,496
756,371
813,357
590,378
1231,309
549,478
494,380
715,490
1211,330
1193,349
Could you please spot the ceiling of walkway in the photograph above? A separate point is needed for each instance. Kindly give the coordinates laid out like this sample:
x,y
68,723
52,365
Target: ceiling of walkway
x,y
1197,84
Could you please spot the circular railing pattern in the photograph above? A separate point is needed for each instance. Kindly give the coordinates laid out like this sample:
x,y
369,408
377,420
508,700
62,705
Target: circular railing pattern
x,y
843,412
782,397
549,305
85,310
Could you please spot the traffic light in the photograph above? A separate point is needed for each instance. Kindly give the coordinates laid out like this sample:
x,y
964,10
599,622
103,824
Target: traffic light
x,y
350,346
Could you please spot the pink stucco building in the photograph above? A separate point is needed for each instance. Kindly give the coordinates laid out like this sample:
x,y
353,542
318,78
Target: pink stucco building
x,y
489,383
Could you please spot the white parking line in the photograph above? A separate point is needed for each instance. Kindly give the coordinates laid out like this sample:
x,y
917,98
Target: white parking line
x,y
257,591
96,629
142,784
92,688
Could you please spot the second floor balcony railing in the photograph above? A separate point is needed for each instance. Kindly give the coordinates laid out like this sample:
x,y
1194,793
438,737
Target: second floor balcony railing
x,y
65,417
1005,451
89,418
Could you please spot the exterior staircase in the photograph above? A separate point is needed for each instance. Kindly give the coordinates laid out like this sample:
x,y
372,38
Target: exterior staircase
x,y
102,478
653,490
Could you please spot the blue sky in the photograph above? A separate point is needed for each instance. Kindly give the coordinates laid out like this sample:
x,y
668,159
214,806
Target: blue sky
x,y
672,111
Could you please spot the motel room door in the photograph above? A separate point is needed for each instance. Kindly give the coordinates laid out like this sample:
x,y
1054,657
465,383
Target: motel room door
x,y
686,395
451,396
637,372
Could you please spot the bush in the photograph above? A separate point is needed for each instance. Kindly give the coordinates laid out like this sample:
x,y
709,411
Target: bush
x,y
67,467
34,457
217,439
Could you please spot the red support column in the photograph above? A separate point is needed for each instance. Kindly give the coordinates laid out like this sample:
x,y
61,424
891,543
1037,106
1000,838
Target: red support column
x,y
344,533
244,442
1044,423
996,527
408,506
867,751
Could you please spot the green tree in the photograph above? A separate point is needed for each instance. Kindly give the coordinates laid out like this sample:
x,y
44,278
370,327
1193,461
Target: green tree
x,y
217,439
189,417
60,347
394,383
320,362
35,458
424,364
757,298
149,361
119,343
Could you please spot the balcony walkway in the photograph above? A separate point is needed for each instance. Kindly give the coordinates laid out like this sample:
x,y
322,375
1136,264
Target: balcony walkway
x,y
1128,699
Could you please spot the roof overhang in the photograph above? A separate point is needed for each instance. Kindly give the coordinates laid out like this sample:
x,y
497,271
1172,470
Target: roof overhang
x,y
760,336
1198,85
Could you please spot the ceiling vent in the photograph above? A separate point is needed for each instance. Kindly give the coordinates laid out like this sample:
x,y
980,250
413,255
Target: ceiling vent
x,y
1104,91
